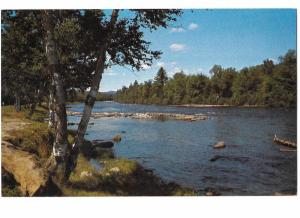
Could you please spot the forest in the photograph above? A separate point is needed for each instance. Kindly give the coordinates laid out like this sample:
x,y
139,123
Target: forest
x,y
267,84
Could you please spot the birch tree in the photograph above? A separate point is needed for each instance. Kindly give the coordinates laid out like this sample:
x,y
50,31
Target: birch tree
x,y
57,159
121,43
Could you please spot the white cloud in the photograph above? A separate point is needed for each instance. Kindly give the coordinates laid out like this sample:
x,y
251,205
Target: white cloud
x,y
175,70
177,47
275,61
111,73
200,70
160,64
145,67
177,30
193,26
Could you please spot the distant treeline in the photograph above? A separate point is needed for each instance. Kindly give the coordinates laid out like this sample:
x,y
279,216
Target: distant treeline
x,y
267,84
78,96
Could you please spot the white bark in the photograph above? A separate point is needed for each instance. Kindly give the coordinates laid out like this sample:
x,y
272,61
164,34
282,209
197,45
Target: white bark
x,y
51,123
60,144
17,103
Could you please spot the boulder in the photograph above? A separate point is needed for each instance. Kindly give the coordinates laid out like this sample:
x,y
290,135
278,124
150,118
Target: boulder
x,y
26,169
97,148
117,138
219,145
102,143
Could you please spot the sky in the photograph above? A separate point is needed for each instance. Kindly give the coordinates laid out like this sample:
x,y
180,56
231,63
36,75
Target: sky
x,y
200,39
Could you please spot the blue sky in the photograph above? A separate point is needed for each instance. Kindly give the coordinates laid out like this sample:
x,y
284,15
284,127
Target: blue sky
x,y
201,38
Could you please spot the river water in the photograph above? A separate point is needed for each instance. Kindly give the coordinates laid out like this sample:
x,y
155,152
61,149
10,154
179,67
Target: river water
x,y
180,151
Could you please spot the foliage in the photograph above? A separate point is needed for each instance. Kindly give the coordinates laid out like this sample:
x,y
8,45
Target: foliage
x,y
23,61
267,84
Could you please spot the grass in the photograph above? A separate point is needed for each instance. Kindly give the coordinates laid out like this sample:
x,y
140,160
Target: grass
x,y
118,177
35,136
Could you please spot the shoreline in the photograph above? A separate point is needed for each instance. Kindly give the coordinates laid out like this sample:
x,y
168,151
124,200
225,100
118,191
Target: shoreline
x,y
218,106
191,105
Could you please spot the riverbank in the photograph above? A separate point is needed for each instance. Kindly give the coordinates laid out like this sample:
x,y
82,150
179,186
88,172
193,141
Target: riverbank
x,y
218,106
203,105
95,175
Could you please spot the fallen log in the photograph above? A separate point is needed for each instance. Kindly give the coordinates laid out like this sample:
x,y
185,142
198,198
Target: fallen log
x,y
287,150
26,169
284,142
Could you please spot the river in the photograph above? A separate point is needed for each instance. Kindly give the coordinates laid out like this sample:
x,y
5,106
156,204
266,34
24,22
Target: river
x,y
180,151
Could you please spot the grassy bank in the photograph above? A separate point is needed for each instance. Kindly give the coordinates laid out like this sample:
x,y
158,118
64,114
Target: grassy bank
x,y
112,177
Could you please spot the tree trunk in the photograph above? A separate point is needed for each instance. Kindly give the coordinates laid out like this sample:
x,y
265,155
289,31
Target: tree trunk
x,y
32,108
17,103
90,99
56,164
52,117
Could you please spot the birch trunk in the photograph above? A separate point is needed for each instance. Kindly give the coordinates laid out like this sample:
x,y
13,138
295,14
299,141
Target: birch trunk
x,y
51,123
17,103
90,99
57,160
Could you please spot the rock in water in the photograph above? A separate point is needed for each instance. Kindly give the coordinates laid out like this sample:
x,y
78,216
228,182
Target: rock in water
x,y
219,145
117,138
102,144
